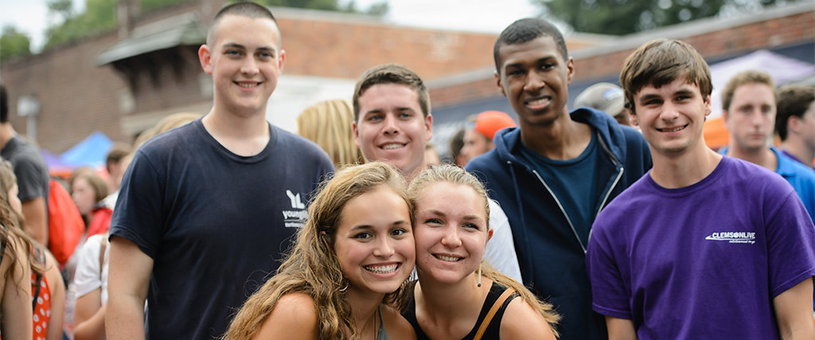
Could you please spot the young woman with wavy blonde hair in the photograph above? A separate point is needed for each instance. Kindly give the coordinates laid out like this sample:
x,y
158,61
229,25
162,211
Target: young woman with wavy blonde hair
x,y
458,295
350,260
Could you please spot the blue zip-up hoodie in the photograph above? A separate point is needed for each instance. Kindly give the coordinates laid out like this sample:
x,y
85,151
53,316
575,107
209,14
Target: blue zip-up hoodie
x,y
550,254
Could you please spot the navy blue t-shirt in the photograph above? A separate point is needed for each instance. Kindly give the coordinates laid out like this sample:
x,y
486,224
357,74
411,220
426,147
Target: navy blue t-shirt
x,y
215,224
573,182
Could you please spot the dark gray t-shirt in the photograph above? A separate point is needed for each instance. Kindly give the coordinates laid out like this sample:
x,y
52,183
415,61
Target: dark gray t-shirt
x,y
30,168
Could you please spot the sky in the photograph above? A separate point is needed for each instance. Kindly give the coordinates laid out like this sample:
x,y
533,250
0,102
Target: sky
x,y
31,16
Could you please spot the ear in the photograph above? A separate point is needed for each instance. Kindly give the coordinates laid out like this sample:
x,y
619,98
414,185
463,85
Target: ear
x,y
489,234
205,58
631,115
498,83
709,106
281,60
356,134
793,124
570,68
428,123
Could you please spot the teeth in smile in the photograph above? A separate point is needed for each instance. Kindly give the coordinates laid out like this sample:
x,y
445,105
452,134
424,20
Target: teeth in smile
x,y
448,258
245,85
539,102
392,146
674,129
381,269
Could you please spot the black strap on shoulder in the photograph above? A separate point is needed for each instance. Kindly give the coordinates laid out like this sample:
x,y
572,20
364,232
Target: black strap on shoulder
x,y
39,281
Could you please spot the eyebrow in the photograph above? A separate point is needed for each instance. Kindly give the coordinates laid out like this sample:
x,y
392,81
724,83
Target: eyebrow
x,y
540,60
466,217
242,47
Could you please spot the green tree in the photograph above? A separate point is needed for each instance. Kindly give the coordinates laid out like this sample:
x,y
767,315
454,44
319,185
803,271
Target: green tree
x,y
99,16
620,17
13,43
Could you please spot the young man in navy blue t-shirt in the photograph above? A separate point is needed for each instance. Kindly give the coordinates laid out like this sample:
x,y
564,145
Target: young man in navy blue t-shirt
x,y
206,211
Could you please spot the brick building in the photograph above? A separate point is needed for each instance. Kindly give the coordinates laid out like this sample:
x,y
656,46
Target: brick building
x,y
123,81
786,30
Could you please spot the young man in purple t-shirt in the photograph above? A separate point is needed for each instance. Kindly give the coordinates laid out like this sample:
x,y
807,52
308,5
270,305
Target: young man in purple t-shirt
x,y
702,247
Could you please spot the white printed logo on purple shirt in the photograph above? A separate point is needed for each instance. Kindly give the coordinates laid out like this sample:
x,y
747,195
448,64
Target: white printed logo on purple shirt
x,y
733,237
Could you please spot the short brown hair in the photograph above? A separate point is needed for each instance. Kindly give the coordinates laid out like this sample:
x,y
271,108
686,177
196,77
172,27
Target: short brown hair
x,y
792,100
118,152
661,61
391,74
246,9
744,78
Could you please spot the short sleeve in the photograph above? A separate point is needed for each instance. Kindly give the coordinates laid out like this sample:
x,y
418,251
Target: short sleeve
x,y
791,245
138,213
609,295
30,179
88,273
500,253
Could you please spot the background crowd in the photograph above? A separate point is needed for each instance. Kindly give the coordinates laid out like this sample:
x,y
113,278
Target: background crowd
x,y
550,224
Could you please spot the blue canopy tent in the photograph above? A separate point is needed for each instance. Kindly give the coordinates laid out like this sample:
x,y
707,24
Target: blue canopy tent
x,y
91,151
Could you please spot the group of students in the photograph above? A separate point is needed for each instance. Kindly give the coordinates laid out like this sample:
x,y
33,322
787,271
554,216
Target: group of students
x,y
573,226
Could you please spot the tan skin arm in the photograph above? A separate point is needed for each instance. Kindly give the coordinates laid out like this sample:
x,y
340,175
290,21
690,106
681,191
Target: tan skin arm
x,y
793,311
90,316
128,280
16,289
57,298
294,317
34,213
620,329
520,321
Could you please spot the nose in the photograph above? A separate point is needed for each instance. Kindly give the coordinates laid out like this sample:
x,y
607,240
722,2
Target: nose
x,y
451,238
669,111
249,66
384,247
534,83
391,125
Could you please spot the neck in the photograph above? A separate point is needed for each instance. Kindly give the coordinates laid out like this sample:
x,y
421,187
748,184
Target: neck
x,y
364,309
6,133
242,135
443,303
800,149
562,139
684,170
763,157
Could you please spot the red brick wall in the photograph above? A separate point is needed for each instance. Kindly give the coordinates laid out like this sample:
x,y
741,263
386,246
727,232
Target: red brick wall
x,y
774,32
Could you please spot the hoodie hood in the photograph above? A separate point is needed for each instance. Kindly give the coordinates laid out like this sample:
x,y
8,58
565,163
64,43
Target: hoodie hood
x,y
507,141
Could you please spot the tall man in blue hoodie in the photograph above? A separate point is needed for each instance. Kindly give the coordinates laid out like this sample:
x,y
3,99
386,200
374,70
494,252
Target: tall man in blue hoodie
x,y
554,173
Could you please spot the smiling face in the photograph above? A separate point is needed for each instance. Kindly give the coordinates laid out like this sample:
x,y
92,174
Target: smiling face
x,y
451,232
671,117
391,127
750,118
374,241
245,61
534,77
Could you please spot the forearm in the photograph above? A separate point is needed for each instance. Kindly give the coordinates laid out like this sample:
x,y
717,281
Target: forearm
x,y
35,222
124,318
93,327
793,311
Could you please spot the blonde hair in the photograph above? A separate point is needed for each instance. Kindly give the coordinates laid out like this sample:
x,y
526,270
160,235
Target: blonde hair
x,y
311,267
328,124
165,124
458,176
11,223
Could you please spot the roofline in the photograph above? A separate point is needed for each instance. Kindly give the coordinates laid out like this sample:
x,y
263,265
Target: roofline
x,y
694,28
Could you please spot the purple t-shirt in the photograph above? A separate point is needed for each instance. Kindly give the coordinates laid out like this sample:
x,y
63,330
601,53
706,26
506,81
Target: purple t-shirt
x,y
703,261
